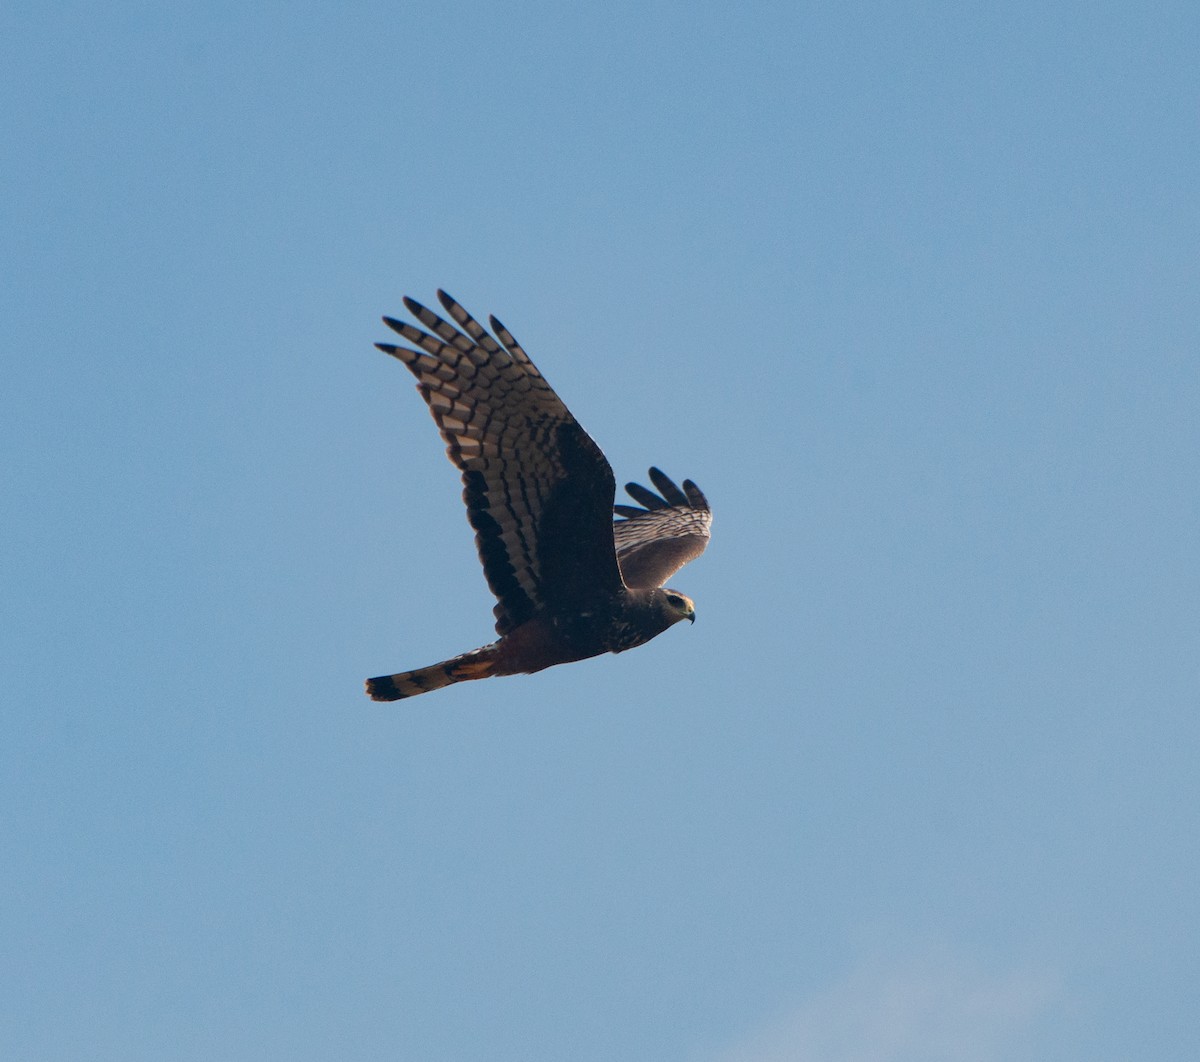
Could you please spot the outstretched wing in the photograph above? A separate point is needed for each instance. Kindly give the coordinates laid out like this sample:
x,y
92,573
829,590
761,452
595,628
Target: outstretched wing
x,y
537,488
656,541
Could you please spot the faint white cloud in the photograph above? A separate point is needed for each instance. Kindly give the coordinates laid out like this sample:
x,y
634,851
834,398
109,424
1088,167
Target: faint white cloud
x,y
927,1011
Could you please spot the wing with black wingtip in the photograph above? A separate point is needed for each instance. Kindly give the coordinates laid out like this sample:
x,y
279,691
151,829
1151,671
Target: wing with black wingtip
x,y
671,528
538,490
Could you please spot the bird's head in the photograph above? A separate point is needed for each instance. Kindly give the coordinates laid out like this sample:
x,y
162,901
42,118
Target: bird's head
x,y
678,606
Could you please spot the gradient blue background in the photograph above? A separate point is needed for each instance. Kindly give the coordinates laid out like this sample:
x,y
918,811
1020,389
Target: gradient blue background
x,y
909,289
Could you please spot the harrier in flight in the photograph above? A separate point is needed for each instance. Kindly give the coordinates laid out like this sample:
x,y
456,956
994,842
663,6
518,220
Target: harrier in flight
x,y
571,583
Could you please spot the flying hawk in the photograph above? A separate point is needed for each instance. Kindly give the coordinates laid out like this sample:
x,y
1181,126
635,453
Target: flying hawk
x,y
570,582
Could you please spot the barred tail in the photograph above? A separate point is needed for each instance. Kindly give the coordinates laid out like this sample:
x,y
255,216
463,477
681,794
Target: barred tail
x,y
477,664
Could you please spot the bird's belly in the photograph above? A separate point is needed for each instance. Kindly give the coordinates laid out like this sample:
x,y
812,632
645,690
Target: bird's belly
x,y
541,643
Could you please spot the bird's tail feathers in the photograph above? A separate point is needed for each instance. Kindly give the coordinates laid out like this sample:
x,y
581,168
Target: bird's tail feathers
x,y
477,664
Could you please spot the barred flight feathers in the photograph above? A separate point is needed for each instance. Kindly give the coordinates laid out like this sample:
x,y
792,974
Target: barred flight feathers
x,y
537,489
672,528
569,583
477,664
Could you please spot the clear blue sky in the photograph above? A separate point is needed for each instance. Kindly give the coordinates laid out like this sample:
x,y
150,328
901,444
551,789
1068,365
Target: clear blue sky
x,y
909,289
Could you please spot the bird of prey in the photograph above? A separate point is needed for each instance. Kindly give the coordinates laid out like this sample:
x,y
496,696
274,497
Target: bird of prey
x,y
570,582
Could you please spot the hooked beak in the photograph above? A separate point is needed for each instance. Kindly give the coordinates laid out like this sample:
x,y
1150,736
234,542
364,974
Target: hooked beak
x,y
692,616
